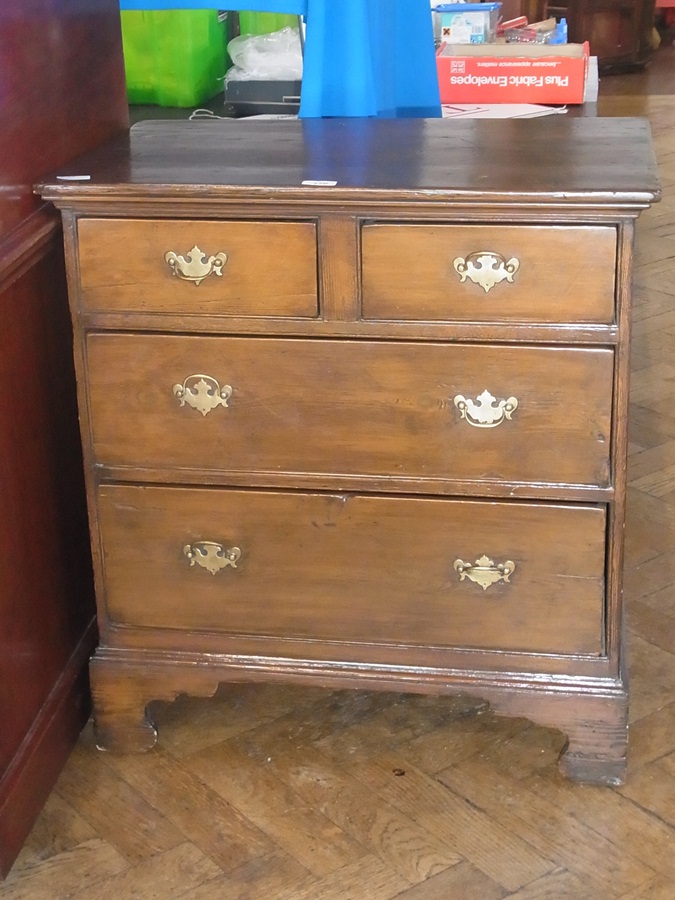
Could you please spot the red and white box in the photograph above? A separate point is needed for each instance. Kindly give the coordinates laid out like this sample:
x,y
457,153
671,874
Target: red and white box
x,y
553,74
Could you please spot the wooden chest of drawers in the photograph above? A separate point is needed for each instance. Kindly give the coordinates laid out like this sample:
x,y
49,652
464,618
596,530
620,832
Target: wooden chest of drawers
x,y
353,400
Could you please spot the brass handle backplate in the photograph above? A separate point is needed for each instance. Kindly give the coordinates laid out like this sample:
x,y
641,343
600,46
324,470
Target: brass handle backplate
x,y
484,571
195,266
202,393
211,556
487,412
486,269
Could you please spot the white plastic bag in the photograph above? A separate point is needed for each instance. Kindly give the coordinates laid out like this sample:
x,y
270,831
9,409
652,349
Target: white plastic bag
x,y
266,57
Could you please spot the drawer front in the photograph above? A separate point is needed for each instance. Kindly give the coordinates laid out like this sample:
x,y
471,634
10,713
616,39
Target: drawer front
x,y
199,267
481,273
355,568
474,412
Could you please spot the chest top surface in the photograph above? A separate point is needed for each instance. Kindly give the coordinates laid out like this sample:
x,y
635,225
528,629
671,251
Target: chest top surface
x,y
551,160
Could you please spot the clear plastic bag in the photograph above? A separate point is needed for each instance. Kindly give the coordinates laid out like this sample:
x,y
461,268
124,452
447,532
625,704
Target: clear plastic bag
x,y
266,57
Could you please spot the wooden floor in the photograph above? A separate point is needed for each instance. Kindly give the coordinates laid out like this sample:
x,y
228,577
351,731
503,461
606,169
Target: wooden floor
x,y
303,794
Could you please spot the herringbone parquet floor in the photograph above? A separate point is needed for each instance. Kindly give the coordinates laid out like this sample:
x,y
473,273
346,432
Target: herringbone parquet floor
x,y
302,794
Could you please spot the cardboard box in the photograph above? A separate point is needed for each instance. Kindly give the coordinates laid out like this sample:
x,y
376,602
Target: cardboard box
x,y
513,73
468,23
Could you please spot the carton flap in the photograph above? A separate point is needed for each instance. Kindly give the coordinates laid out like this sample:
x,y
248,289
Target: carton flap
x,y
514,51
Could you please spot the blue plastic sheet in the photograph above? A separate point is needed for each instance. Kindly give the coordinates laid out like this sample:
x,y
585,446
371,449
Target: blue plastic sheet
x,y
369,58
362,57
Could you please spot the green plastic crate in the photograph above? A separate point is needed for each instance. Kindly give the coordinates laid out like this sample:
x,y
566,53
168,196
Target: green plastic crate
x,y
174,57
265,23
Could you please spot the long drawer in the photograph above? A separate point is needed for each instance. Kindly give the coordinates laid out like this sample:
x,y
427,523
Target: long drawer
x,y
339,567
489,273
413,410
198,267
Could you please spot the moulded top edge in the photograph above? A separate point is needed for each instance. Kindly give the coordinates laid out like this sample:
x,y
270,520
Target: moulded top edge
x,y
71,195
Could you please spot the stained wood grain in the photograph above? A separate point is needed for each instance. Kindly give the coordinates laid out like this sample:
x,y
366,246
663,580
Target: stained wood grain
x,y
387,410
351,539
409,273
268,268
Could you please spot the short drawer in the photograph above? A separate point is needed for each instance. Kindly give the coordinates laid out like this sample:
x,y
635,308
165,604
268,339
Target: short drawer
x,y
483,273
409,410
500,576
198,267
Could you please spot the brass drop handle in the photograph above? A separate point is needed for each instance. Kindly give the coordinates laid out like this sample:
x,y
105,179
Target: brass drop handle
x,y
484,571
202,392
485,268
211,556
195,266
486,411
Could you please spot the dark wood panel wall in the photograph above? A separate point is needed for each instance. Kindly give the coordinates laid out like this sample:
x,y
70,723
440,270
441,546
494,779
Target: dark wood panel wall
x,y
63,92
